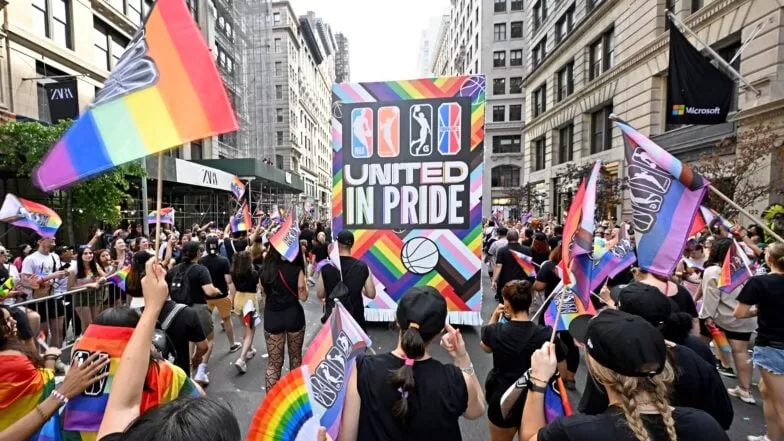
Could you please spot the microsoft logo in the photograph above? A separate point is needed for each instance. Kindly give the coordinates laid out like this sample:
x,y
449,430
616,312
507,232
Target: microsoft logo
x,y
681,109
678,109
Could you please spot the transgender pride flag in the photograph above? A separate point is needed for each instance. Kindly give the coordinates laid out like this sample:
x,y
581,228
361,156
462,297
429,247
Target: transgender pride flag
x,y
665,195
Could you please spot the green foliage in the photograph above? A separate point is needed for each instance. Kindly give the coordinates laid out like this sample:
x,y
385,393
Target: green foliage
x,y
23,144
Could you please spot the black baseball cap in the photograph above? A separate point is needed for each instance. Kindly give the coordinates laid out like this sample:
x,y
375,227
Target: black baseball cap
x,y
645,301
191,250
212,245
346,238
424,306
622,342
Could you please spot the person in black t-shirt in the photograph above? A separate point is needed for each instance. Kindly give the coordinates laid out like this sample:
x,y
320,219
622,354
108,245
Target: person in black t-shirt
x,y
636,382
406,394
506,266
354,273
236,243
511,344
555,240
185,328
529,237
220,273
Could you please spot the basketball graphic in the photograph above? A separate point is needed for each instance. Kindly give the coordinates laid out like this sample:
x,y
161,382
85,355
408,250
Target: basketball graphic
x,y
419,255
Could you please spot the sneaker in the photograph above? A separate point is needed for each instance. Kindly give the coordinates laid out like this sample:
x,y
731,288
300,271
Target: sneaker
x,y
201,376
744,395
241,366
757,438
235,347
726,371
251,353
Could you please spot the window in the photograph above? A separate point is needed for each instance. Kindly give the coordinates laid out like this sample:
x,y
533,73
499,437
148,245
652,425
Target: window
x,y
279,115
516,29
499,86
564,25
516,85
540,13
279,138
499,32
538,53
516,57
134,10
601,55
499,6
499,59
109,46
540,100
564,82
43,71
278,92
601,130
728,53
276,17
539,154
516,112
277,45
696,5
507,144
505,176
197,150
52,19
593,3
499,113
565,144
278,68
517,5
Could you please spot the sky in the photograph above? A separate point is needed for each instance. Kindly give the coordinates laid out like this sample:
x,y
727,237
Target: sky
x,y
384,35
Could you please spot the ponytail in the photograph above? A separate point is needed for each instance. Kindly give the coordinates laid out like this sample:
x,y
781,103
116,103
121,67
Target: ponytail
x,y
403,379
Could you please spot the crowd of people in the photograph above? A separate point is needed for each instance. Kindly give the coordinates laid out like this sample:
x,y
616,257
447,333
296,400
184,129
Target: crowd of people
x,y
651,352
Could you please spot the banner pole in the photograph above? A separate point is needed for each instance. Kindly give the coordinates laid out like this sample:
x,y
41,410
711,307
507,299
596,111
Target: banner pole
x,y
746,213
158,204
557,314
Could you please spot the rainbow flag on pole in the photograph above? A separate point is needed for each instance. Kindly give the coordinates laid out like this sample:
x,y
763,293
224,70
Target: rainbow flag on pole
x,y
237,188
526,262
571,307
167,216
241,221
735,270
28,214
164,91
286,239
119,277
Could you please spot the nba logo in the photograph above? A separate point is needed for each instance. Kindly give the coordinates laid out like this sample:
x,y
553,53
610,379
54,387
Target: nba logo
x,y
362,132
389,132
421,130
449,128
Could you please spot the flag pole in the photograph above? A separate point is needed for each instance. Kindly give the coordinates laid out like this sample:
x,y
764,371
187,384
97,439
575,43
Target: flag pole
x,y
557,314
541,308
158,203
746,213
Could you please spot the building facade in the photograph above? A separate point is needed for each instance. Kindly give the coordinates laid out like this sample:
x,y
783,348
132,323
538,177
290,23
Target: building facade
x,y
427,45
591,58
342,60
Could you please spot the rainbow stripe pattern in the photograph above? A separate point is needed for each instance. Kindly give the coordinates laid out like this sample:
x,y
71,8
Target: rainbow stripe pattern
x,y
571,307
28,214
286,414
241,221
167,216
457,278
556,400
286,239
22,387
119,277
237,188
164,91
734,270
525,262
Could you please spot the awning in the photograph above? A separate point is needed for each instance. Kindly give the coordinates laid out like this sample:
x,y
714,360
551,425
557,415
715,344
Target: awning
x,y
190,173
263,173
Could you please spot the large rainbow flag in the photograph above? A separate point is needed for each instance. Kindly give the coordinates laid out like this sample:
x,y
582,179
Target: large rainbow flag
x,y
28,214
22,387
164,91
286,239
312,395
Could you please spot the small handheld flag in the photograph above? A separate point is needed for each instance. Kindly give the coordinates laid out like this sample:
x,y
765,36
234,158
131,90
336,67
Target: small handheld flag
x,y
735,269
167,216
237,188
286,239
241,221
526,262
119,277
28,214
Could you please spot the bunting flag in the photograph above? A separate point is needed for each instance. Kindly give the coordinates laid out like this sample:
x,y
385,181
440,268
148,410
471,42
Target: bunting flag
x,y
164,91
28,214
735,270
241,221
22,387
313,395
556,400
167,216
83,414
665,196
237,188
286,239
525,262
119,277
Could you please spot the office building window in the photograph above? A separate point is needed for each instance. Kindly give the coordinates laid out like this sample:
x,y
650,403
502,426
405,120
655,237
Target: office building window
x,y
43,71
516,112
564,25
40,18
516,57
539,154
499,31
505,176
565,144
540,13
540,100
590,4
601,130
134,10
197,150
507,144
539,51
277,45
52,19
499,113
499,6
517,5
278,68
516,85
499,86
109,46
279,92
601,55
279,115
564,82
279,138
499,59
516,29
696,5
276,17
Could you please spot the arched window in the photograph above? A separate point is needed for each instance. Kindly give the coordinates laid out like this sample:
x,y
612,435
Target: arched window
x,y
505,176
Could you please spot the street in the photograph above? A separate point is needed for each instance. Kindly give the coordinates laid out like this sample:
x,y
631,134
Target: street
x,y
243,393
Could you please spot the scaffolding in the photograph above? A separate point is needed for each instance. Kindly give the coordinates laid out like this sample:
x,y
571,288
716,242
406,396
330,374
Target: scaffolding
x,y
259,71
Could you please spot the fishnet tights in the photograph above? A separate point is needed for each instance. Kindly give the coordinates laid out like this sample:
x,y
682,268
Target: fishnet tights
x,y
275,349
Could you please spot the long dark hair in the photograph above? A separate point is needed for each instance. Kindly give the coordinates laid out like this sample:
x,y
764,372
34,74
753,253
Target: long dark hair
x,y
134,280
719,251
402,379
269,270
81,269
10,342
242,266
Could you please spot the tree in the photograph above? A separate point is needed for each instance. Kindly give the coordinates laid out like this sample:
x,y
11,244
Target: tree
x,y
737,167
22,144
527,197
609,188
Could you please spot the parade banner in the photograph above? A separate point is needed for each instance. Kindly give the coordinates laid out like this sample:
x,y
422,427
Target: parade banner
x,y
408,182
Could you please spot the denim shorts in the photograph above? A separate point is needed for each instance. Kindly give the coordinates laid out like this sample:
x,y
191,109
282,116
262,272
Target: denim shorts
x,y
770,359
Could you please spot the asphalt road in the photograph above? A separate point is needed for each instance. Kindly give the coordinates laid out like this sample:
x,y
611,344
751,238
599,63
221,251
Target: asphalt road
x,y
243,393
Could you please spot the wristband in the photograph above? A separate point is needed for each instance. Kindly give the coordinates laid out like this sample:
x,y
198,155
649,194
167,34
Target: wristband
x,y
537,379
535,387
60,397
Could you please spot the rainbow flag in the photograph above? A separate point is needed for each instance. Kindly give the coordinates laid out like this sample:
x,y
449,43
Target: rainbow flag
x,y
607,262
167,216
571,307
28,214
83,414
735,270
241,221
719,338
286,239
665,196
164,91
275,215
556,400
22,387
119,277
237,188
525,262
583,240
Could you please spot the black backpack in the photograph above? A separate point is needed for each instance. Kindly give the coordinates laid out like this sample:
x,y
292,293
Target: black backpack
x,y
179,288
339,292
160,339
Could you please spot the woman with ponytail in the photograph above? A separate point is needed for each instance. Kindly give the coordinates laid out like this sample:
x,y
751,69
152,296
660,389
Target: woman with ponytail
x,y
406,394
637,383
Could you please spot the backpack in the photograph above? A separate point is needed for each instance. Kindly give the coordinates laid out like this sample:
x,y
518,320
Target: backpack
x,y
339,292
179,288
160,339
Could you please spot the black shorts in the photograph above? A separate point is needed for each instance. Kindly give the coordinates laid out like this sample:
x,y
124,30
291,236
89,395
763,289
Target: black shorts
x,y
23,329
288,320
731,335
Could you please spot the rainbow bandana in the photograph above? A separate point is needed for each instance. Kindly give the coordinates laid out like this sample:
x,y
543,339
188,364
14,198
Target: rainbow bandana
x,y
22,387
